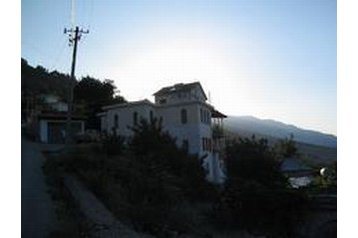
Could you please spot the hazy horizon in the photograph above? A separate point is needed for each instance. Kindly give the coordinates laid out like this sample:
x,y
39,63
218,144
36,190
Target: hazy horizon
x,y
268,59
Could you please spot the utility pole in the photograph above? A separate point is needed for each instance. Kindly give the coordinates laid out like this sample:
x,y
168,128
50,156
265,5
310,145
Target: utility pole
x,y
73,40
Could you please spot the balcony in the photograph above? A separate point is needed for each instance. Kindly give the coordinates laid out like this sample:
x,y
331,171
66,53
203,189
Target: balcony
x,y
218,132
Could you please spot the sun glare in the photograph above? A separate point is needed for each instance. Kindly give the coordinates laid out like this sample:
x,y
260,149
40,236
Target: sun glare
x,y
166,61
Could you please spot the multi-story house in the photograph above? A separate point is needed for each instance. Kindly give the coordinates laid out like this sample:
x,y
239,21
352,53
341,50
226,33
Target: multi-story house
x,y
185,114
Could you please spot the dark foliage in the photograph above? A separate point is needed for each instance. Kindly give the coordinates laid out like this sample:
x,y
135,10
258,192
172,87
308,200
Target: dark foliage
x,y
90,94
94,94
71,221
257,197
150,185
163,178
157,151
35,81
286,148
254,160
113,144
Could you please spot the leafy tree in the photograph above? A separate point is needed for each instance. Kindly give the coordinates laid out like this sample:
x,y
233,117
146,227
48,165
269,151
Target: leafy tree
x,y
286,148
113,144
256,195
94,94
253,160
158,178
89,93
156,149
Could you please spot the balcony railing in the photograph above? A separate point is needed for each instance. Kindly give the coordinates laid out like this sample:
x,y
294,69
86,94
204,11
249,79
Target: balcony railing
x,y
218,132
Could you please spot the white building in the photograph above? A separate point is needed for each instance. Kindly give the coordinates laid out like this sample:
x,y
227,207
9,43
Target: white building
x,y
185,114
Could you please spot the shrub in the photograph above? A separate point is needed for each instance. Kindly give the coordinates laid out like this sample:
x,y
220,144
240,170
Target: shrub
x,y
113,144
256,195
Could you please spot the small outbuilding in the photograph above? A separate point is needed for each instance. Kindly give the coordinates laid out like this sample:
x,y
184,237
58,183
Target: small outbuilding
x,y
52,127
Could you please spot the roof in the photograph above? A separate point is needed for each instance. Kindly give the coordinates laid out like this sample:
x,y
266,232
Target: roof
x,y
60,116
180,87
293,164
127,104
217,114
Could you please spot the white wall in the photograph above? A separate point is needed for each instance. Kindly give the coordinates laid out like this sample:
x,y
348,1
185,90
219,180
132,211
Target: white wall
x,y
125,117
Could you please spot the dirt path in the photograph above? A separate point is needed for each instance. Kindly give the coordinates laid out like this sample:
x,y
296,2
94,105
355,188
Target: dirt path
x,y
37,211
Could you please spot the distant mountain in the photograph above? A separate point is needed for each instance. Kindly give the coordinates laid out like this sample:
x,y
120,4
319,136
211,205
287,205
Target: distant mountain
x,y
249,125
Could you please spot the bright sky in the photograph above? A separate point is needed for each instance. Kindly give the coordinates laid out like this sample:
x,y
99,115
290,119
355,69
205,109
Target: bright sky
x,y
267,58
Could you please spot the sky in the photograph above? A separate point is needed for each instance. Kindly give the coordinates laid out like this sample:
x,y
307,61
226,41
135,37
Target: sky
x,y
273,59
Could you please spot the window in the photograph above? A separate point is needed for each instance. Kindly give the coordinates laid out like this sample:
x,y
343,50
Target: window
x,y
151,115
162,101
184,116
185,145
115,121
135,118
204,116
206,144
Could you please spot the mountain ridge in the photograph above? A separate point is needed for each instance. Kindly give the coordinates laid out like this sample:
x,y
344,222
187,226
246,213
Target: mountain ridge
x,y
269,127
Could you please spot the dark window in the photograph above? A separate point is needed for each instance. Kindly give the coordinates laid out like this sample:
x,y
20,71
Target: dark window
x,y
115,121
185,145
162,101
184,116
203,143
135,118
151,115
201,115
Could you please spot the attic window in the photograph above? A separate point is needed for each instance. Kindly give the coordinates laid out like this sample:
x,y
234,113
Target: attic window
x,y
184,116
135,118
115,121
162,101
185,145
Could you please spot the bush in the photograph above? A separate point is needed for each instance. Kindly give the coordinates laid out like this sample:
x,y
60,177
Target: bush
x,y
157,151
257,196
160,177
113,144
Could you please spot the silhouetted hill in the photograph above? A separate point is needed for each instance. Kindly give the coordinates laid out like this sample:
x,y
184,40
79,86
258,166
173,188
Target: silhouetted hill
x,y
248,125
315,148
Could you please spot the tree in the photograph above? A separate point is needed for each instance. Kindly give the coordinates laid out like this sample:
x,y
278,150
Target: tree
x,y
257,196
286,148
93,95
254,160
157,149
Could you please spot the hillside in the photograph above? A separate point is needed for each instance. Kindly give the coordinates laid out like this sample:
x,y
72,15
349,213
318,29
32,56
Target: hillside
x,y
248,125
316,148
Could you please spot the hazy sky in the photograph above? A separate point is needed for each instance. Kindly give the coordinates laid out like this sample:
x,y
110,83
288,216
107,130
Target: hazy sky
x,y
267,58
